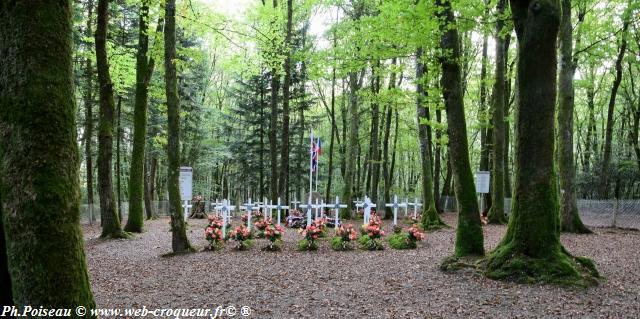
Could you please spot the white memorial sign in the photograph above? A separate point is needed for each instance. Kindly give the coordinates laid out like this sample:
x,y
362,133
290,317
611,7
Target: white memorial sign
x,y
483,180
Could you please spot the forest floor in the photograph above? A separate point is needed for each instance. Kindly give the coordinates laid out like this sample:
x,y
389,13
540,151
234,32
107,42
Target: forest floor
x,y
355,284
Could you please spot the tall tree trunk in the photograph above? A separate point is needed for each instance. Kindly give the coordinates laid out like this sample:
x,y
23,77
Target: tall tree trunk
x,y
284,155
484,113
109,216
531,250
144,70
430,218
507,128
496,213
39,174
374,150
437,165
570,220
179,242
118,167
334,128
351,145
469,238
88,119
273,132
606,158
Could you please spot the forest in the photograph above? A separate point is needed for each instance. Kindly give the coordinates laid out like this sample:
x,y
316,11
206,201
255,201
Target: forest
x,y
103,101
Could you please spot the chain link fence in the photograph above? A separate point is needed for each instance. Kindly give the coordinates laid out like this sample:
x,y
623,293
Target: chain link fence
x,y
623,213
594,213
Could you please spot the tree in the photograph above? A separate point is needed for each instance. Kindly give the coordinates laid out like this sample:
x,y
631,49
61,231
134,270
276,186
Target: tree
x,y
284,155
496,212
88,117
109,217
144,70
39,175
469,238
606,157
570,220
531,250
430,217
179,242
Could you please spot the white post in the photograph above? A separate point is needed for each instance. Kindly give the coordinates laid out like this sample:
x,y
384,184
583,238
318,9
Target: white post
x,y
186,209
249,209
337,207
395,206
311,167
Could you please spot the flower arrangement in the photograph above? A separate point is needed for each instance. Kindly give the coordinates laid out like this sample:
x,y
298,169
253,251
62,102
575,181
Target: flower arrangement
x,y
343,238
407,239
321,223
261,225
311,233
273,233
242,235
371,234
213,232
411,219
255,215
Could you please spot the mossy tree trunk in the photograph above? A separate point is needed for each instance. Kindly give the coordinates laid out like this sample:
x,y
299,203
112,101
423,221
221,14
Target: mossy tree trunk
x,y
6,296
39,171
469,237
430,218
531,250
484,113
496,212
179,242
109,216
570,221
144,70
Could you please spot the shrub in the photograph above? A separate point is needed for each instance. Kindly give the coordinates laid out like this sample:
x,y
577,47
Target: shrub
x,y
242,236
344,236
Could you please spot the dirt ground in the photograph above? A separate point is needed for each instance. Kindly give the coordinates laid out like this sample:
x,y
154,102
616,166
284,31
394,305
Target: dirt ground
x,y
354,284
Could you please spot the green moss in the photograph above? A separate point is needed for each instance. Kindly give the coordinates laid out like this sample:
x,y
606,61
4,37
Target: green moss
x,y
454,263
431,219
401,241
495,217
557,267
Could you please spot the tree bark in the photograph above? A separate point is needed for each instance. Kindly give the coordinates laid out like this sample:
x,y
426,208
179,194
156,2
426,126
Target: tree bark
x,y
531,250
469,238
430,218
109,216
273,132
284,155
570,220
144,70
179,242
88,119
496,213
484,113
39,170
351,145
374,150
606,157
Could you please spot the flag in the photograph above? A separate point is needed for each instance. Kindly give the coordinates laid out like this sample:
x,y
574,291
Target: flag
x,y
319,148
315,149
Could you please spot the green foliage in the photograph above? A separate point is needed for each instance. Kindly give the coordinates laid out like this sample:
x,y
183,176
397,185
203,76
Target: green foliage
x,y
401,241
307,245
367,243
338,244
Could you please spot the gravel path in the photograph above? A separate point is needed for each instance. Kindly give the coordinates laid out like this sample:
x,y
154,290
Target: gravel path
x,y
356,284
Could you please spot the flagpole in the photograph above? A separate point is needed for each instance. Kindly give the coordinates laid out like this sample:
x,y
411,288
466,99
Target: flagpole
x,y
311,165
317,161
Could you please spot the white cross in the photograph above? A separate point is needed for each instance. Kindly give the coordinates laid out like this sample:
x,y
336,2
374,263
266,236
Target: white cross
x,y
278,208
216,204
395,206
249,208
308,208
336,207
366,205
295,203
225,208
415,205
318,209
186,207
